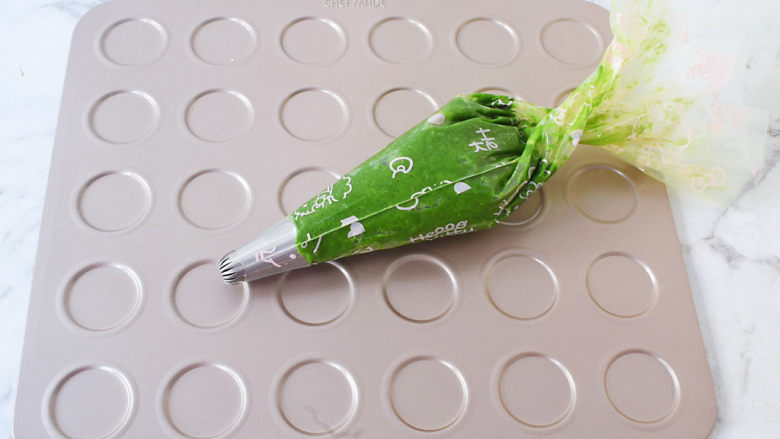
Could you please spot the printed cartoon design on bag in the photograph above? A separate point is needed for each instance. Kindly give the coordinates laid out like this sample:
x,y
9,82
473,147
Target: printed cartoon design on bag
x,y
343,187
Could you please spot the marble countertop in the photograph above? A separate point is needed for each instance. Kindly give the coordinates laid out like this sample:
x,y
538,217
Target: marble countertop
x,y
732,254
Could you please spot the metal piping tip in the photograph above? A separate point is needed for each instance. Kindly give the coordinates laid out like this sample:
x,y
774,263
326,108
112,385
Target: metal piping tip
x,y
273,252
230,268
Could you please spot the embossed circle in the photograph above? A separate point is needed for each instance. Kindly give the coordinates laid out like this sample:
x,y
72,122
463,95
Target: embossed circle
x,y
223,41
572,42
528,212
420,288
219,116
642,387
501,91
205,400
91,402
302,185
317,397
400,109
622,285
215,199
201,299
488,41
318,295
536,391
428,394
102,297
114,201
602,194
521,286
313,41
124,116
134,42
314,114
562,97
400,40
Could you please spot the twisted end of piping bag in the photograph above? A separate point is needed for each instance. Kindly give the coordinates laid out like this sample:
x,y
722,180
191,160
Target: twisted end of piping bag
x,y
675,107
480,156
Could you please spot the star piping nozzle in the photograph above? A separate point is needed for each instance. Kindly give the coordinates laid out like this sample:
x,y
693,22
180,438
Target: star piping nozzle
x,y
272,252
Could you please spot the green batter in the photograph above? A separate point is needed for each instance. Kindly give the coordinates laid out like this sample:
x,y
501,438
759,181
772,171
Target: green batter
x,y
460,170
465,168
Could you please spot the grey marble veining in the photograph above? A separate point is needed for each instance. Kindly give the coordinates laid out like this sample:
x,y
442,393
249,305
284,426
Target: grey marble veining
x,y
732,254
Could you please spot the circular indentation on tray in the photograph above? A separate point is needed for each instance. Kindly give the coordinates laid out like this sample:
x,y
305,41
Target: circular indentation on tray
x,y
302,185
223,41
201,299
520,285
317,295
572,42
536,390
134,42
205,400
501,91
314,114
528,212
114,201
487,41
642,387
420,288
313,41
317,397
562,97
91,402
214,199
602,193
124,116
622,285
102,297
219,116
400,40
400,109
428,394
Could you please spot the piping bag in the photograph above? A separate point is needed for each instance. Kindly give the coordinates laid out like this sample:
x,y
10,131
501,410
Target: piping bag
x,y
662,99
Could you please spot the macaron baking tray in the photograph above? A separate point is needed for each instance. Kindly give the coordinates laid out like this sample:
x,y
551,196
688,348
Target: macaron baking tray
x,y
187,127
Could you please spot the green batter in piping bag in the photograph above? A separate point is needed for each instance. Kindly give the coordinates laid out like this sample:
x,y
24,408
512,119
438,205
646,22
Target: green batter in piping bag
x,y
480,156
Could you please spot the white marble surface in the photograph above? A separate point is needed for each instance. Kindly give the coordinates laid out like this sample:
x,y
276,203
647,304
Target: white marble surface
x,y
732,254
